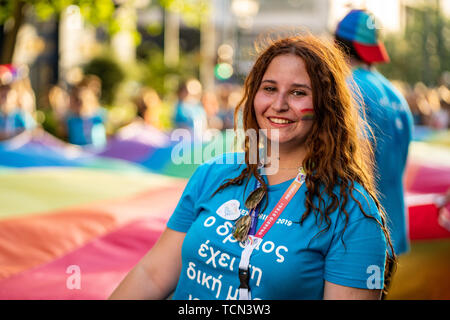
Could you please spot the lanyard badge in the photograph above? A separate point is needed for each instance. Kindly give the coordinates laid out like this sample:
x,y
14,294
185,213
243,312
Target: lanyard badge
x,y
243,226
251,239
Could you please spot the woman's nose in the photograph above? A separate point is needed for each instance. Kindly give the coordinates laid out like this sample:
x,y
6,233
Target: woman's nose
x,y
280,103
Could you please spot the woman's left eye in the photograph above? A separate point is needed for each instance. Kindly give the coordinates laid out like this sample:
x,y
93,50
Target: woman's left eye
x,y
298,93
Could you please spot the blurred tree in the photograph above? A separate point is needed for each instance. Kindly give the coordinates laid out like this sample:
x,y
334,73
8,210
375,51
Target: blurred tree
x,y
110,74
422,52
194,14
154,72
192,11
12,13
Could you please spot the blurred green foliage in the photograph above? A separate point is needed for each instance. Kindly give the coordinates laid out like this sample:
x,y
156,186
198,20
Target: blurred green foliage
x,y
110,74
94,11
193,11
422,52
164,79
12,14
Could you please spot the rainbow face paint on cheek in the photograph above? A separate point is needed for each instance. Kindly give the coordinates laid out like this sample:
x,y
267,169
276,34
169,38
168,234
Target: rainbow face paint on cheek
x,y
307,114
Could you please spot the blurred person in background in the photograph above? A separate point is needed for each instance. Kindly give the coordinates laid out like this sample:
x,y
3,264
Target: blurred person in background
x,y
226,107
26,101
58,100
17,102
444,210
440,119
411,97
211,106
147,125
388,116
148,107
11,122
85,119
189,112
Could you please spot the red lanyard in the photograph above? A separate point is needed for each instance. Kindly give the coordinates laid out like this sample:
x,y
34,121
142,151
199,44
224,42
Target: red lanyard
x,y
253,241
281,205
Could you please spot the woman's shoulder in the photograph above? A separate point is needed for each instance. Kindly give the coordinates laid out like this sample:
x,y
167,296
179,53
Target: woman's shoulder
x,y
361,203
361,220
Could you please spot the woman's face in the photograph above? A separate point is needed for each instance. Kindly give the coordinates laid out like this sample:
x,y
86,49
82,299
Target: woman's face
x,y
284,101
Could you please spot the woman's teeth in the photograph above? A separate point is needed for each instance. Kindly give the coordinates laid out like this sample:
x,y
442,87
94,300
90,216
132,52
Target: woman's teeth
x,y
280,121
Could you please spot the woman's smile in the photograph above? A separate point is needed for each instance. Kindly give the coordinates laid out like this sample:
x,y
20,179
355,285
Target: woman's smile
x,y
280,122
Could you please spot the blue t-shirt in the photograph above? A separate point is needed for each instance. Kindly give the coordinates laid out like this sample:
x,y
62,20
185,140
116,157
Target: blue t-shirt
x,y
86,130
13,122
391,121
292,261
187,113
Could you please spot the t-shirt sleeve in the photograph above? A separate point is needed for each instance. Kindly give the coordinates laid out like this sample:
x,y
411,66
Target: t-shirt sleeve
x,y
357,257
187,208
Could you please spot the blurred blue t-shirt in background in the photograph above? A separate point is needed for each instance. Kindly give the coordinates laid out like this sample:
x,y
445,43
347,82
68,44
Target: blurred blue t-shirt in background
x,y
87,130
391,121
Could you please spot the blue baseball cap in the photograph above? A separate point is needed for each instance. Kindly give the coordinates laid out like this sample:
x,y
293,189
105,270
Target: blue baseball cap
x,y
359,27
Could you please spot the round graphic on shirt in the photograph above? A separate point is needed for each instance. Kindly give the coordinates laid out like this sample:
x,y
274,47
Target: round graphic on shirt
x,y
229,210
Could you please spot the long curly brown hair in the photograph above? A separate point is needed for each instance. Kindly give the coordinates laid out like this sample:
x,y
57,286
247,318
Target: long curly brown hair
x,y
338,150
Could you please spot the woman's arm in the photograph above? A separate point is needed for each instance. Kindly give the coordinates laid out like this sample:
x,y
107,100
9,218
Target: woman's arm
x,y
156,275
333,291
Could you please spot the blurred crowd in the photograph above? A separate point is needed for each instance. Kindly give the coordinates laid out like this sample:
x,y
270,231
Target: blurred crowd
x,y
79,117
429,106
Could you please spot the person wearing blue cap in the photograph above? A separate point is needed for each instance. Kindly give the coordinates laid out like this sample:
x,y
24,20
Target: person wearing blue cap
x,y
387,112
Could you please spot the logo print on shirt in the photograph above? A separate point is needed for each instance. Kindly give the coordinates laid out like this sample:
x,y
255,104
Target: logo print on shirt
x,y
229,210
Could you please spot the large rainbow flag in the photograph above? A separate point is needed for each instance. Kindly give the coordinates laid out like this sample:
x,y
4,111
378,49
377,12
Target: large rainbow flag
x,y
67,211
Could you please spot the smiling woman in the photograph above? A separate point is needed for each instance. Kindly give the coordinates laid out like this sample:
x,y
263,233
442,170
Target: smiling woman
x,y
284,95
313,229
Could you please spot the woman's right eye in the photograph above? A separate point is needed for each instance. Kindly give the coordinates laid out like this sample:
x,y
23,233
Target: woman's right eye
x,y
269,89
